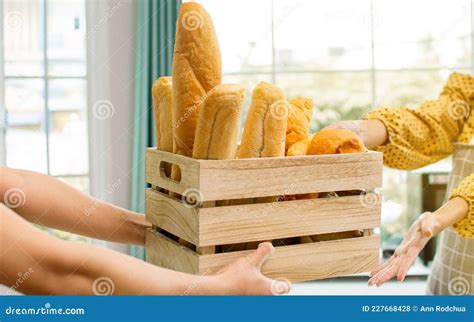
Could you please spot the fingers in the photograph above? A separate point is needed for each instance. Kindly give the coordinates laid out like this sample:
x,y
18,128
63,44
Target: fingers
x,y
383,276
353,126
386,273
406,263
332,126
381,267
258,257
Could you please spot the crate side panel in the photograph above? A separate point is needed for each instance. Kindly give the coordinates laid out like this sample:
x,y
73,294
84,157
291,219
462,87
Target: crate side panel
x,y
310,261
164,252
189,171
267,221
171,215
236,179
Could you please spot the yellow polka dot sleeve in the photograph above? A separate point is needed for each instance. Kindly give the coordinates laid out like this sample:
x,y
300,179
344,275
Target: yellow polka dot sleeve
x,y
465,227
421,136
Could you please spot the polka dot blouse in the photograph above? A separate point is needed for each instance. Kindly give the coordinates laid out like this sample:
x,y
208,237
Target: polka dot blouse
x,y
421,136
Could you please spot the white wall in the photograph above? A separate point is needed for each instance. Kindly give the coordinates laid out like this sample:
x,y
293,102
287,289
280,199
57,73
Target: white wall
x,y
111,61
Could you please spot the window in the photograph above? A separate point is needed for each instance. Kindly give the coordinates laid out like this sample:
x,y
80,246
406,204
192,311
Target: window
x,y
43,79
349,56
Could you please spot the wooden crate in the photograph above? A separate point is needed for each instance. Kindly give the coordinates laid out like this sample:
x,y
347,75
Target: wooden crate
x,y
207,224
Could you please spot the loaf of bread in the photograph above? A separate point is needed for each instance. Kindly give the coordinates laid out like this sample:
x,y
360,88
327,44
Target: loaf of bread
x,y
300,148
300,114
264,136
265,128
218,123
197,68
335,141
162,98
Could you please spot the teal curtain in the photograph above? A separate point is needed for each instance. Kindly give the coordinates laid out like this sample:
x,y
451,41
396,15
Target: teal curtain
x,y
156,27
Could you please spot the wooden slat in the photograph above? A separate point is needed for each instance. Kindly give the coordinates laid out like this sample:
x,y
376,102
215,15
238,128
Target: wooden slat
x,y
189,171
267,221
249,178
164,252
253,222
309,261
206,250
171,215
246,178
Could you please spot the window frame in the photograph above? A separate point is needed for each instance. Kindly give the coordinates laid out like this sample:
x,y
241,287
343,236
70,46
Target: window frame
x,y
373,70
45,78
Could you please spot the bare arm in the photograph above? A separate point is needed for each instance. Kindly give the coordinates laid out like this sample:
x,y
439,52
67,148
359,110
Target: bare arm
x,y
372,132
427,226
49,265
44,200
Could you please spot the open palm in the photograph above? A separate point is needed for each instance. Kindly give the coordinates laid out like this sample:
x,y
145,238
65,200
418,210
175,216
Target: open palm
x,y
398,265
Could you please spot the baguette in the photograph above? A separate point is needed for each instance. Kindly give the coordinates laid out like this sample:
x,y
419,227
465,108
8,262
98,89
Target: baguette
x,y
163,109
301,111
218,123
265,128
197,68
264,136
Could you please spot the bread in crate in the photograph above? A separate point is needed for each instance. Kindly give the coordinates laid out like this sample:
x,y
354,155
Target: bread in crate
x,y
194,219
207,213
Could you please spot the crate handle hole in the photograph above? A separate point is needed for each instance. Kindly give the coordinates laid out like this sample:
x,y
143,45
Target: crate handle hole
x,y
165,171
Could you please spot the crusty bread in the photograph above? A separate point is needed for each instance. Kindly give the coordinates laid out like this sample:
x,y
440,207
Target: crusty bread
x,y
335,141
197,68
218,123
162,98
265,127
301,111
264,136
300,148
163,109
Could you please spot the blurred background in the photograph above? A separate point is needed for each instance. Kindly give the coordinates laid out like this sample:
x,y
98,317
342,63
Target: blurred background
x,y
69,71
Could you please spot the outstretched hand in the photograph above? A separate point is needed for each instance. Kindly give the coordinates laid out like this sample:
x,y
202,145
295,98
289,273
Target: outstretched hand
x,y
372,132
398,265
244,276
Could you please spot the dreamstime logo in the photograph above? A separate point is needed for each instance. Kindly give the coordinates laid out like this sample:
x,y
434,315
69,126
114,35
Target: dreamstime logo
x,y
14,20
14,198
458,110
103,286
280,110
22,277
370,199
108,15
192,198
103,109
194,285
459,286
280,286
109,190
190,111
192,20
